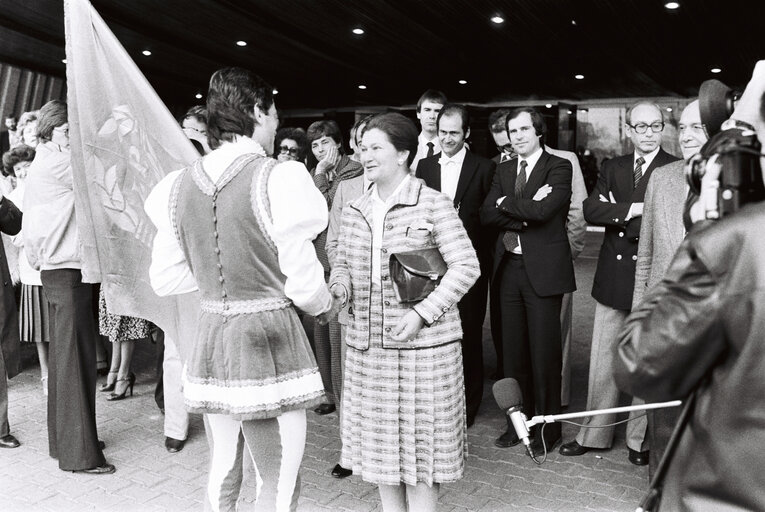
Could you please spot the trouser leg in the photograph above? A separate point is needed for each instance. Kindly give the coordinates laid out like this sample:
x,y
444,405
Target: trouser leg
x,y
176,417
276,446
566,333
323,358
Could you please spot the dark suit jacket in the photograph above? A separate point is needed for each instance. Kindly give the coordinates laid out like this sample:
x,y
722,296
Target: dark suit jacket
x,y
541,224
10,224
474,183
615,275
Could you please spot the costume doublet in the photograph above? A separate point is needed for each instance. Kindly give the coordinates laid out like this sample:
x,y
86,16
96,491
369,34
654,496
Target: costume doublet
x,y
251,358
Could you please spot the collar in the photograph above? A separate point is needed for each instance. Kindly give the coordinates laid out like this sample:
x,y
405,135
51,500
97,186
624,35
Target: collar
x,y
423,141
648,158
458,158
215,162
393,198
531,160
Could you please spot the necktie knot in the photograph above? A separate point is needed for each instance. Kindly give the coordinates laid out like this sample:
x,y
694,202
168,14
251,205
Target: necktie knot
x,y
640,161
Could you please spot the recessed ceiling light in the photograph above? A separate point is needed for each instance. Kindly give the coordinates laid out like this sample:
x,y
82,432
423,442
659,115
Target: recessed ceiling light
x,y
63,60
241,43
275,91
362,86
548,105
198,96
579,77
672,5
570,112
715,70
358,31
498,20
146,53
669,109
462,82
573,22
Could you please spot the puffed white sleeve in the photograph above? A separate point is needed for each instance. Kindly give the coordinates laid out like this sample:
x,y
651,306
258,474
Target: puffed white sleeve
x,y
169,271
298,214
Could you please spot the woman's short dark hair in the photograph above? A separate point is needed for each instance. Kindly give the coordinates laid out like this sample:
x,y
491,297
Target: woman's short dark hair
x,y
21,153
52,115
400,131
537,121
296,134
233,95
328,128
198,112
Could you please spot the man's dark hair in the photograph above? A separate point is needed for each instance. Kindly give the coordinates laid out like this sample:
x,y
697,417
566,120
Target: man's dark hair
x,y
433,96
21,153
400,131
233,95
537,121
452,109
498,120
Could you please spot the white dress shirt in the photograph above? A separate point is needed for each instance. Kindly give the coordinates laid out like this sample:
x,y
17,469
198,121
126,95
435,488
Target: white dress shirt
x,y
450,171
422,149
379,209
531,161
293,227
648,159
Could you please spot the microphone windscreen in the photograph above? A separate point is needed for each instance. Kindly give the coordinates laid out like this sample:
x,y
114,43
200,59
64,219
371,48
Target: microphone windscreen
x,y
507,393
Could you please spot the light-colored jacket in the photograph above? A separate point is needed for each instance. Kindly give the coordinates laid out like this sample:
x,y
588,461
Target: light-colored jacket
x,y
576,226
49,225
419,218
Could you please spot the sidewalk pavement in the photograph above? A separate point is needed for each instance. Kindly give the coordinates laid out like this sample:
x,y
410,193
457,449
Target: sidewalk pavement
x,y
150,479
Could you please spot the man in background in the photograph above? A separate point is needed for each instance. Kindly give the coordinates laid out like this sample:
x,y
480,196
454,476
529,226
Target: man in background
x,y
428,107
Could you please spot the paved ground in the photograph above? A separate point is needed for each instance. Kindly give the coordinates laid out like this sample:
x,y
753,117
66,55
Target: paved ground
x,y
150,479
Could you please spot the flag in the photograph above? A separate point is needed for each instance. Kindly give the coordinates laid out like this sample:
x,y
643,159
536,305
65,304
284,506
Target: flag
x,y
123,141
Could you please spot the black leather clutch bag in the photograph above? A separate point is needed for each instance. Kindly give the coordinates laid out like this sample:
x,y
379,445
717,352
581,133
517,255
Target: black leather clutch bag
x,y
416,273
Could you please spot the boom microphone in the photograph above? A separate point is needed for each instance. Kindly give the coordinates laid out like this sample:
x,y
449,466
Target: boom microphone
x,y
507,393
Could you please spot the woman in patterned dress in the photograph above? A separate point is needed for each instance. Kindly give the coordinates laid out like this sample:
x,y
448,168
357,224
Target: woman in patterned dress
x,y
404,406
122,331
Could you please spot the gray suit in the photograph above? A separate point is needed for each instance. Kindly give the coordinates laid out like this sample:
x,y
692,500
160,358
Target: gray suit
x,y
576,227
661,234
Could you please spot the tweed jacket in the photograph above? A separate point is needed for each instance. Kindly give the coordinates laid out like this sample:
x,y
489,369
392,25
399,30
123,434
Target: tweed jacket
x,y
419,218
662,230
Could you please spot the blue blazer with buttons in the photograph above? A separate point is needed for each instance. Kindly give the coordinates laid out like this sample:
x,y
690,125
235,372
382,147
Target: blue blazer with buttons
x,y
615,275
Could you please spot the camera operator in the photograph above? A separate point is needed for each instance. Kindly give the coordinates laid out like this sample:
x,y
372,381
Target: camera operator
x,y
701,329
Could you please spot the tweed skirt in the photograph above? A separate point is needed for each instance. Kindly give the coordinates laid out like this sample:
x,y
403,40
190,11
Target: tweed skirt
x,y
404,412
34,319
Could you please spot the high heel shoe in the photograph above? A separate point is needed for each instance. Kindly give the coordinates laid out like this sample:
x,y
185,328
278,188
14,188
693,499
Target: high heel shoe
x,y
120,396
108,386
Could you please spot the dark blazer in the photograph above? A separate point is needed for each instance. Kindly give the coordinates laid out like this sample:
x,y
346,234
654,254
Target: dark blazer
x,y
541,224
615,275
10,224
474,183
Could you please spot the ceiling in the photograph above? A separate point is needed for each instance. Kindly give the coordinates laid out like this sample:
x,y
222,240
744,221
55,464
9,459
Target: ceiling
x,y
306,48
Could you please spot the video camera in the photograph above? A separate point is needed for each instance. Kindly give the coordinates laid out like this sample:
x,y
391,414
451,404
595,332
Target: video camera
x,y
737,150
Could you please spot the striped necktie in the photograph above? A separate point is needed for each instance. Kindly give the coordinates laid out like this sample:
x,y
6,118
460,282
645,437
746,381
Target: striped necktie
x,y
637,173
510,238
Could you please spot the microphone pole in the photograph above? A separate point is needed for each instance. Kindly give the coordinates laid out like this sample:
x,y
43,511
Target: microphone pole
x,y
551,418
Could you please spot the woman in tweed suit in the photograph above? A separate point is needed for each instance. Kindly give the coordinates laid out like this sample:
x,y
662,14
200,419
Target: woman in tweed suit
x,y
403,425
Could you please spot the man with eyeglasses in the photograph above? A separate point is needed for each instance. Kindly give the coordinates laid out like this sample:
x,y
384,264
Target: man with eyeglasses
x,y
616,203
661,234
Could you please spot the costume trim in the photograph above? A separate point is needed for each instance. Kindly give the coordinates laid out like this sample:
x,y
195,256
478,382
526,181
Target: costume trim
x,y
261,205
204,182
242,307
255,398
173,204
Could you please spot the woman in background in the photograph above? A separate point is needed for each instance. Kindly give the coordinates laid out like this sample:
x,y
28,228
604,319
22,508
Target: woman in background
x,y
34,315
291,144
404,404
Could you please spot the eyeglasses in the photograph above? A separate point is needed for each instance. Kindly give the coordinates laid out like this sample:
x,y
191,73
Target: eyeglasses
x,y
642,127
291,151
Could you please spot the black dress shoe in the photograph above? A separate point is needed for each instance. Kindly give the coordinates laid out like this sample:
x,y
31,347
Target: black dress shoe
x,y
325,409
174,445
340,472
105,469
507,439
573,449
638,458
8,441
